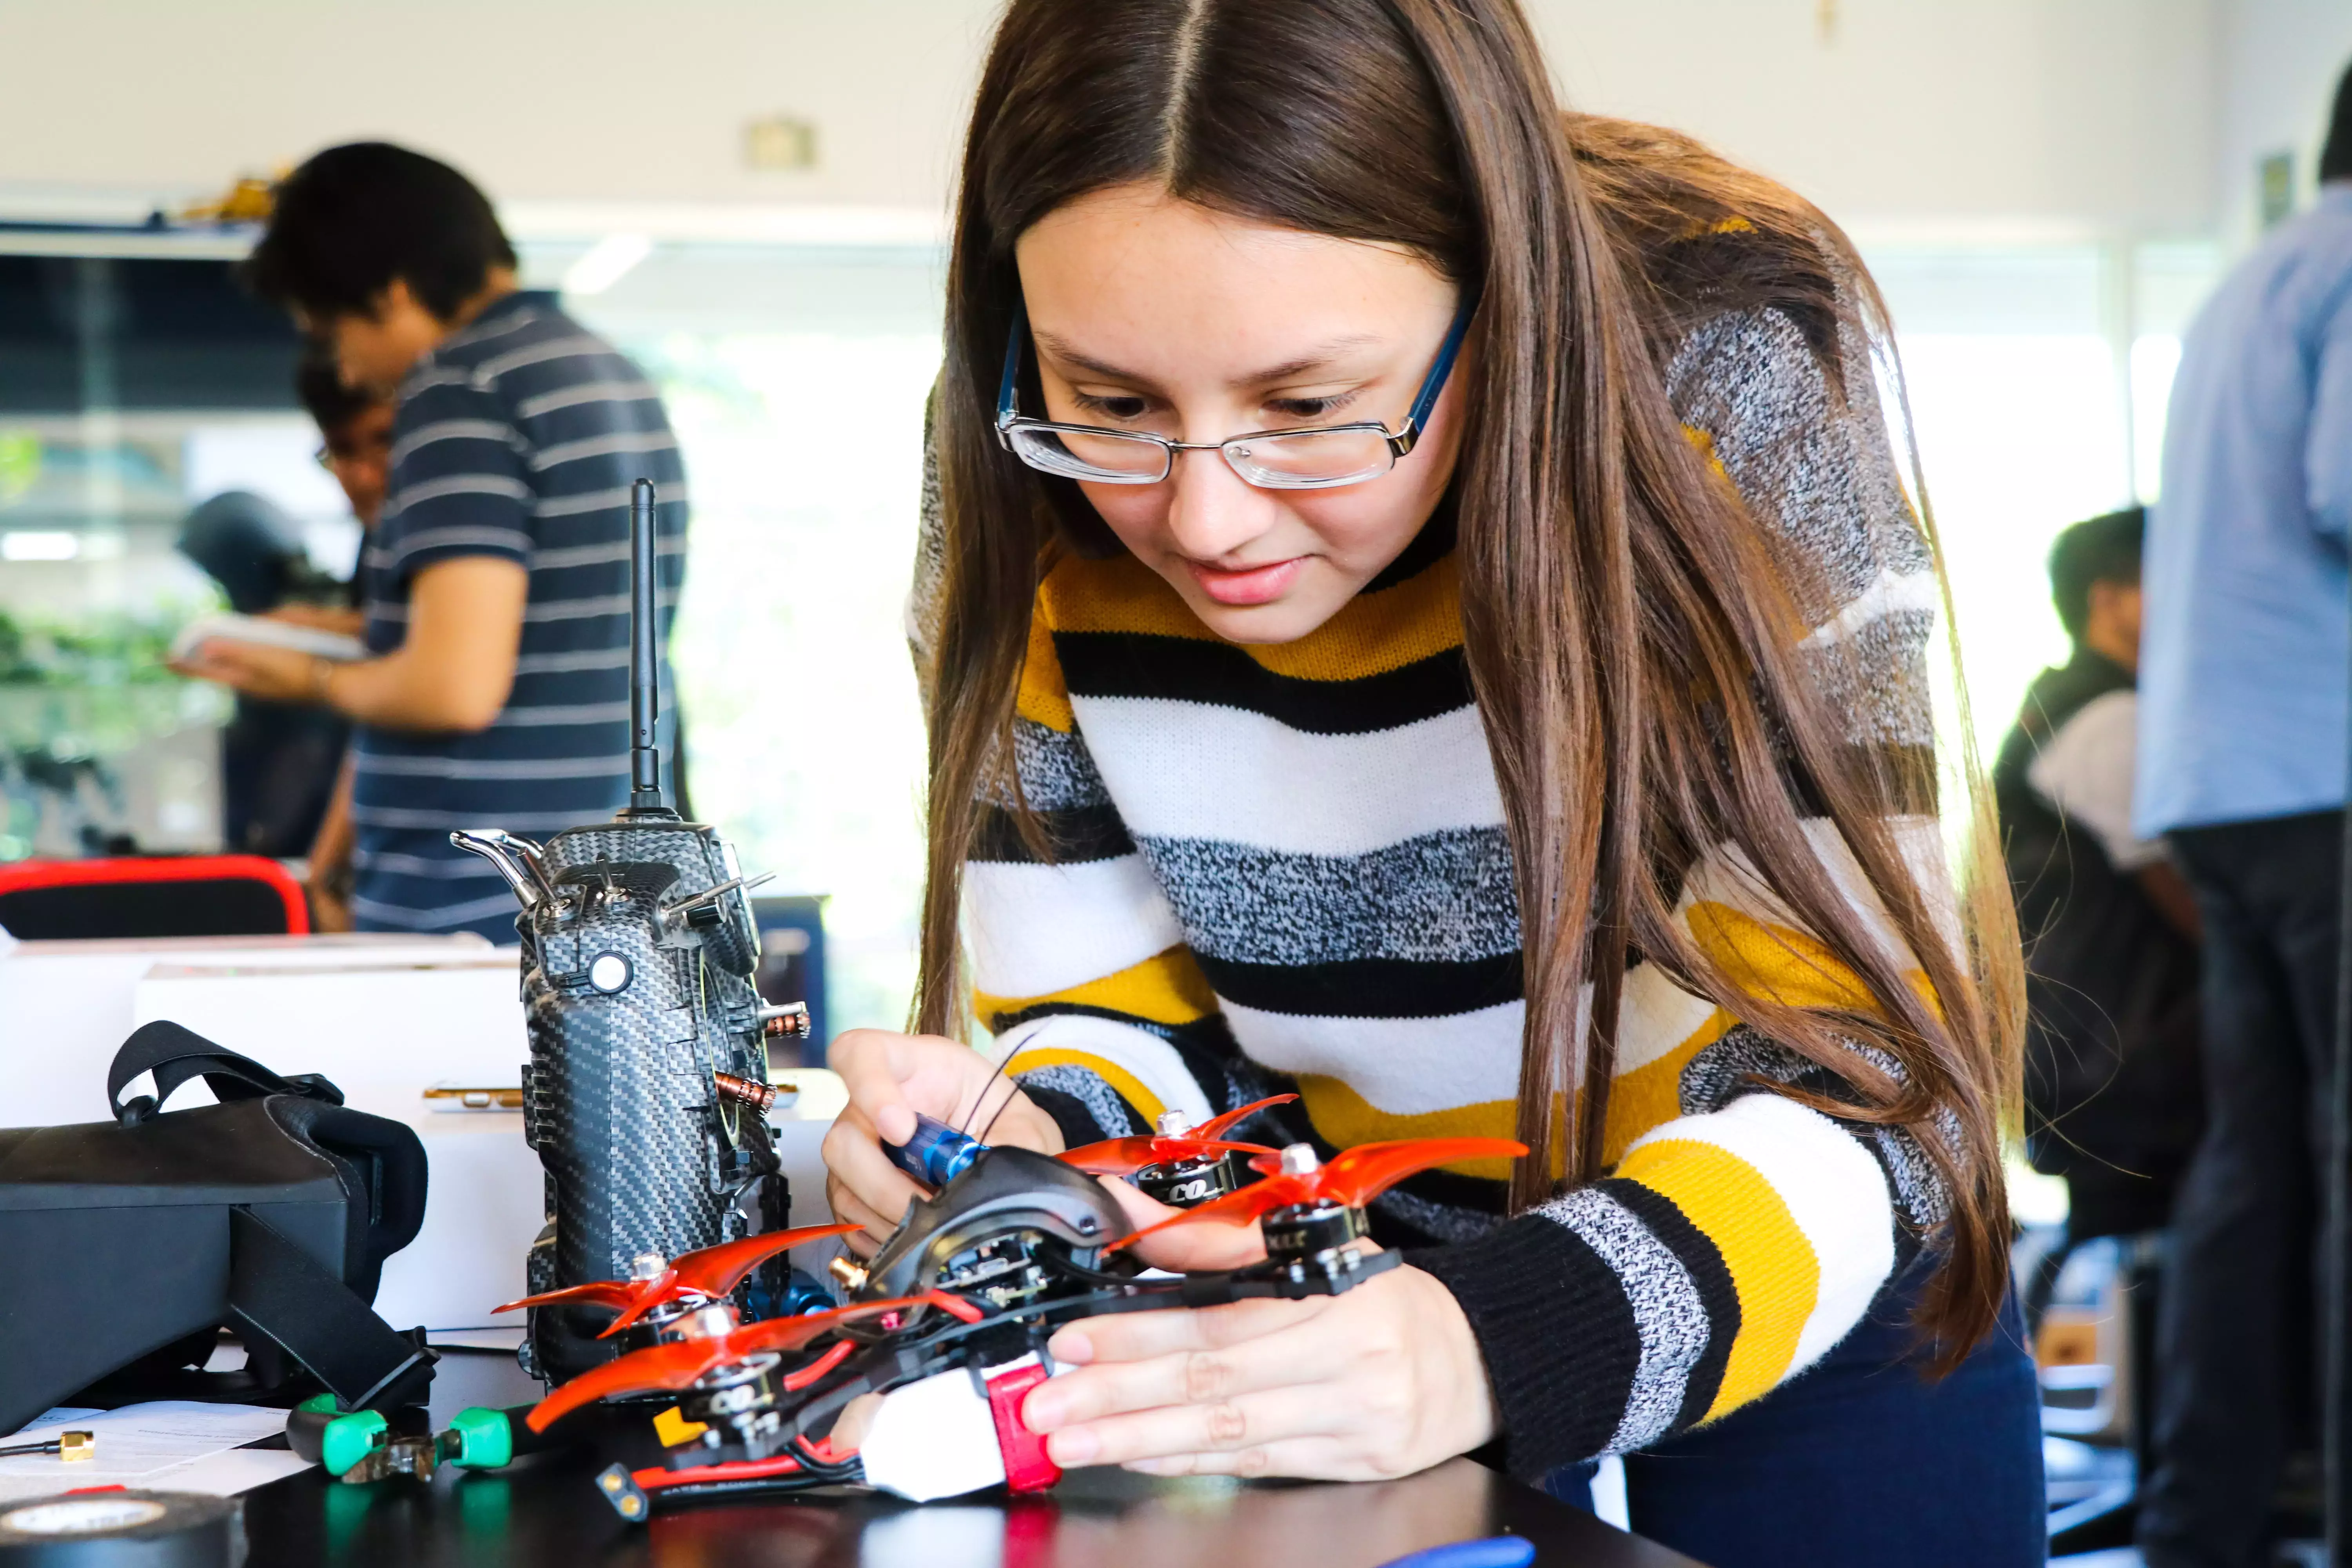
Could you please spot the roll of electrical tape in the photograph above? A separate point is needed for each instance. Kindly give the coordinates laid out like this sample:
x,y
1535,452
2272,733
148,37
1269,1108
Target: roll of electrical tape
x,y
118,1529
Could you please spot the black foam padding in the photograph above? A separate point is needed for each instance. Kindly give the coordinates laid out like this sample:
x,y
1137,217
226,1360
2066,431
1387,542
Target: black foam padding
x,y
221,906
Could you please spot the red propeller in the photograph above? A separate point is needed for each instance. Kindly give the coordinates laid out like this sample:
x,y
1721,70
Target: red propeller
x,y
1353,1178
714,1271
1125,1156
677,1364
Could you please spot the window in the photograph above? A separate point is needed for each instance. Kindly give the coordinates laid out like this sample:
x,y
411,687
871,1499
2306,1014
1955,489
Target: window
x,y
796,380
2038,376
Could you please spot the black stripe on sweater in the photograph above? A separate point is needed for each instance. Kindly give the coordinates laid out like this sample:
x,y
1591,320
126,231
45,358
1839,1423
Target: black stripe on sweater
x,y
1707,1271
1076,834
1188,670
1557,1334
1368,987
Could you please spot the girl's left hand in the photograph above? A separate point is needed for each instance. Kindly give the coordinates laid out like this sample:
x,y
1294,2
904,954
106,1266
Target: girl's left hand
x,y
1382,1380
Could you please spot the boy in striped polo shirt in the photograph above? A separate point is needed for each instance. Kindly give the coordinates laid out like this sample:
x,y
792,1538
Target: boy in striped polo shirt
x,y
495,587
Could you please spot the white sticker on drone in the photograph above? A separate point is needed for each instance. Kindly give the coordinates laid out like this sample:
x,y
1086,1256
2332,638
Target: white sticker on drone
x,y
937,1439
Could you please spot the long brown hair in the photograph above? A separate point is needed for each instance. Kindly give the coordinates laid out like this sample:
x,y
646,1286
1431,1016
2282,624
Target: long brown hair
x,y
1630,629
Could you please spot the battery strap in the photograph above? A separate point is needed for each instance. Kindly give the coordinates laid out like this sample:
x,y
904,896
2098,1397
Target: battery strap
x,y
1027,1466
278,1290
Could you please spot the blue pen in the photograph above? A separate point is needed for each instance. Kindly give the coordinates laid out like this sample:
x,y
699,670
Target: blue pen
x,y
937,1153
1494,1551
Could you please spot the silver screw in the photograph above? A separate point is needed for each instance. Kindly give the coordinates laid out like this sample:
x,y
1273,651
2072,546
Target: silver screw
x,y
648,1266
1298,1160
1172,1123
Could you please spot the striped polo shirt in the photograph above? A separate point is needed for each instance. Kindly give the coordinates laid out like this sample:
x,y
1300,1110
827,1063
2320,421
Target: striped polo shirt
x,y
1285,867
518,438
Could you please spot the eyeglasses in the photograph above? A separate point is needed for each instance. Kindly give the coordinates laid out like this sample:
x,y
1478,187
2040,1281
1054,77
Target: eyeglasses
x,y
333,461
1318,457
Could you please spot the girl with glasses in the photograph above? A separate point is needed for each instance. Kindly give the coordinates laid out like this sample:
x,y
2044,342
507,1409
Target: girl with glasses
x,y
1419,607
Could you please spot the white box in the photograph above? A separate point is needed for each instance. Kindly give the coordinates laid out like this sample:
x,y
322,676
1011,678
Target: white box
x,y
384,1033
384,1018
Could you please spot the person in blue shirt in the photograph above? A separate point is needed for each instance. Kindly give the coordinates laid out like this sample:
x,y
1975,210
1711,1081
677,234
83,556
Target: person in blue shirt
x,y
2242,768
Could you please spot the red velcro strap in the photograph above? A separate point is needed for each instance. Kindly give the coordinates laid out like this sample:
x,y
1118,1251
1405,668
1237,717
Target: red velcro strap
x,y
1027,1468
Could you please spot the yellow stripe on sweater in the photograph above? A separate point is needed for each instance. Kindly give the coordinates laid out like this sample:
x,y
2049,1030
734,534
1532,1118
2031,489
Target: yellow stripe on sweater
x,y
1783,964
1773,1269
1045,695
1344,1119
1775,961
1373,633
1166,988
1652,1094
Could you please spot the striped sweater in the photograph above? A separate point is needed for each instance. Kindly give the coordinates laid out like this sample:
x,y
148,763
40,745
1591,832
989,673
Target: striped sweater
x,y
1284,867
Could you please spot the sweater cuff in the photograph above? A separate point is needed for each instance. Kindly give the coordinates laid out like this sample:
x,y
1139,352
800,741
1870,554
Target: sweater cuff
x,y
1556,1334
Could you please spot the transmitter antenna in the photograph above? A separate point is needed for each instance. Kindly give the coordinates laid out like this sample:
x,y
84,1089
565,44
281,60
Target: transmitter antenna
x,y
644,663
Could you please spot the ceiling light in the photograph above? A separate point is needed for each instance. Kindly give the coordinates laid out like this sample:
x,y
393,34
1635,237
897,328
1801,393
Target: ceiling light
x,y
37,544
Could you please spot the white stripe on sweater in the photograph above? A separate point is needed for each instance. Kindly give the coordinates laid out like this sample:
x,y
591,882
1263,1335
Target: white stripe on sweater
x,y
1037,929
1835,1192
1893,591
1405,1067
1658,1014
1197,770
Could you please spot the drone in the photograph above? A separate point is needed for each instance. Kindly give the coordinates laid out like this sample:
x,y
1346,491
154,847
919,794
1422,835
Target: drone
x,y
949,1318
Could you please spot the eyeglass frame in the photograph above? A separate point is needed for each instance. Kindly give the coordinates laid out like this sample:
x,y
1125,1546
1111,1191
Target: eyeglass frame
x,y
1401,442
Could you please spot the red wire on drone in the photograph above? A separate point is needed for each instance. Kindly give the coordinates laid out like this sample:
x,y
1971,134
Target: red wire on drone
x,y
655,1479
796,1381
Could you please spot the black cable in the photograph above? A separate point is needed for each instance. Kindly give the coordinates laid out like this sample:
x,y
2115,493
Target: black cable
x,y
2336,1249
973,1115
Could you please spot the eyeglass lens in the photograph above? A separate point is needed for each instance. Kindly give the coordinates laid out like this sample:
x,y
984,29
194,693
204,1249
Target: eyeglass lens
x,y
1310,458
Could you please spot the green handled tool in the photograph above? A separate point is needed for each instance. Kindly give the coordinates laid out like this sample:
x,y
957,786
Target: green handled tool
x,y
361,1447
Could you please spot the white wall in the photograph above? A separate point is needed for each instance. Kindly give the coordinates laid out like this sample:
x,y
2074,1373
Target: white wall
x,y
1960,115
540,99
2279,64
1924,118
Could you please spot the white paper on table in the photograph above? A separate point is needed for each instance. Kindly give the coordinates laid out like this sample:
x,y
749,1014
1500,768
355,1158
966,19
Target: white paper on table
x,y
56,1415
171,1445
228,1474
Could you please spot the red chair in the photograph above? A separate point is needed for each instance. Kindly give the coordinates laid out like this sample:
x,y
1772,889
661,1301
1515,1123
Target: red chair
x,y
192,895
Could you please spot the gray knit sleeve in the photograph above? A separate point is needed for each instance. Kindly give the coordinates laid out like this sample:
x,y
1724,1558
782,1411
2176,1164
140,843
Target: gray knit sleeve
x,y
927,594
1804,438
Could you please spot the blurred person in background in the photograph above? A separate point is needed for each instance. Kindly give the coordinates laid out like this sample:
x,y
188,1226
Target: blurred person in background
x,y
2110,926
496,586
2241,766
355,433
280,761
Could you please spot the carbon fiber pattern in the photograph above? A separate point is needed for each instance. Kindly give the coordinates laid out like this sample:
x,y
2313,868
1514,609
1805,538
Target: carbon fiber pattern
x,y
618,1101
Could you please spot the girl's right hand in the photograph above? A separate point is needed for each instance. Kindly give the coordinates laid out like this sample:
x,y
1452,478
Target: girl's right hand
x,y
891,1080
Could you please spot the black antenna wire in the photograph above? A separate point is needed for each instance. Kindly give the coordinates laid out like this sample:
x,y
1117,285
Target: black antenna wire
x,y
973,1115
645,655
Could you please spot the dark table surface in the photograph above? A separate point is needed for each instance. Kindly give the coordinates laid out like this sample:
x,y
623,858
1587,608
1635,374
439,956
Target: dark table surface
x,y
545,1512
